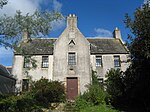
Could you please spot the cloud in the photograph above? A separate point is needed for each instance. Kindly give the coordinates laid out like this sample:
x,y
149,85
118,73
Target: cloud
x,y
145,1
6,56
29,6
100,32
25,6
57,5
56,25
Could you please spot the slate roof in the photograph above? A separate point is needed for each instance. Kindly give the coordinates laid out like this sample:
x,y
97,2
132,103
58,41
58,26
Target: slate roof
x,y
4,72
106,46
44,46
39,46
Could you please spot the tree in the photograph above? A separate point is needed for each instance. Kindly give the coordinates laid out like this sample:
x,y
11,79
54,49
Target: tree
x,y
115,86
137,76
12,28
2,3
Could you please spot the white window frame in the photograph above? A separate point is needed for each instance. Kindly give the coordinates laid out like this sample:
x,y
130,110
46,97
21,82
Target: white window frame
x,y
45,63
75,62
117,60
99,64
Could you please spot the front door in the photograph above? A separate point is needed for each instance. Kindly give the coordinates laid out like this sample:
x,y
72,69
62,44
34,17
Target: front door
x,y
72,88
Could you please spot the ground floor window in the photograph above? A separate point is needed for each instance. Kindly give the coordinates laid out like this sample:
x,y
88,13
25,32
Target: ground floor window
x,y
100,80
25,84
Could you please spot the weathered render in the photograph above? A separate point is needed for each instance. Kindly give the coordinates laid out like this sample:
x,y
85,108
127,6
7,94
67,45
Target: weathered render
x,y
71,58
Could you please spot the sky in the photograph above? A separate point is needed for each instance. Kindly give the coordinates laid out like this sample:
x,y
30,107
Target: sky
x,y
96,18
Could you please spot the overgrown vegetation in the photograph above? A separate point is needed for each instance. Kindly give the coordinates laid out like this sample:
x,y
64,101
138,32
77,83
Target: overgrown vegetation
x,y
131,88
95,99
137,76
41,95
115,86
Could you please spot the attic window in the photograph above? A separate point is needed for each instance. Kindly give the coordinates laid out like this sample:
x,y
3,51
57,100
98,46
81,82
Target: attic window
x,y
71,42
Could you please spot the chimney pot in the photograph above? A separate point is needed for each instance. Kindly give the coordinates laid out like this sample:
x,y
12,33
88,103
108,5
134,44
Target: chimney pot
x,y
72,20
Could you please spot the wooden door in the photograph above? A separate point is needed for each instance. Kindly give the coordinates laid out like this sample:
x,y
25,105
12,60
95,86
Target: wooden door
x,y
72,88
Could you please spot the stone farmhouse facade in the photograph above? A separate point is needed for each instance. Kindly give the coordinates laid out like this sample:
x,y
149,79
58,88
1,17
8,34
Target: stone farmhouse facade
x,y
71,57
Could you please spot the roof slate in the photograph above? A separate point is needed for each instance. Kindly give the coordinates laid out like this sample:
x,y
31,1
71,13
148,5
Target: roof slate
x,y
41,46
38,46
106,46
4,72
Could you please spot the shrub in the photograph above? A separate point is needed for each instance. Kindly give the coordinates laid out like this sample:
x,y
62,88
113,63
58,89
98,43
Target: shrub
x,y
42,93
23,103
95,95
47,92
101,108
115,86
81,103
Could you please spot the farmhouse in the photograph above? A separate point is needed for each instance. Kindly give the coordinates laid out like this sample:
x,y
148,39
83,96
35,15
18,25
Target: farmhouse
x,y
70,58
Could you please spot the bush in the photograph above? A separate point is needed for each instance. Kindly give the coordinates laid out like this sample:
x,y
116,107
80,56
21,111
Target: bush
x,y
46,92
81,103
115,86
101,108
95,95
23,103
42,93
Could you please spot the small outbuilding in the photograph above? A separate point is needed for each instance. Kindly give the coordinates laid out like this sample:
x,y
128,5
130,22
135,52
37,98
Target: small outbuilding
x,y
7,82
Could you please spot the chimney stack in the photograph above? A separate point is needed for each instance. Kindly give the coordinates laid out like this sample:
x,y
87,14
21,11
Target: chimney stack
x,y
72,20
25,36
117,34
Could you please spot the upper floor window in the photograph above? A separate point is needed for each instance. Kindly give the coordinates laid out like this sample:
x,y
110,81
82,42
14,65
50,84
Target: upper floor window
x,y
26,62
99,61
117,61
71,58
45,62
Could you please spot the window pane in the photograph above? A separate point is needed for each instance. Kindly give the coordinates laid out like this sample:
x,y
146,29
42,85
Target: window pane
x,y
116,61
71,59
45,61
26,62
98,60
25,85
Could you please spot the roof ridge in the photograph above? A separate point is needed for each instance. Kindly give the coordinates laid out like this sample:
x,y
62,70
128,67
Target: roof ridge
x,y
99,38
43,38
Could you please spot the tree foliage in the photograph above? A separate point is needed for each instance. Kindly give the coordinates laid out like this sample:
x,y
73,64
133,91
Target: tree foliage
x,y
115,85
139,25
13,28
2,3
41,95
38,23
132,86
47,92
